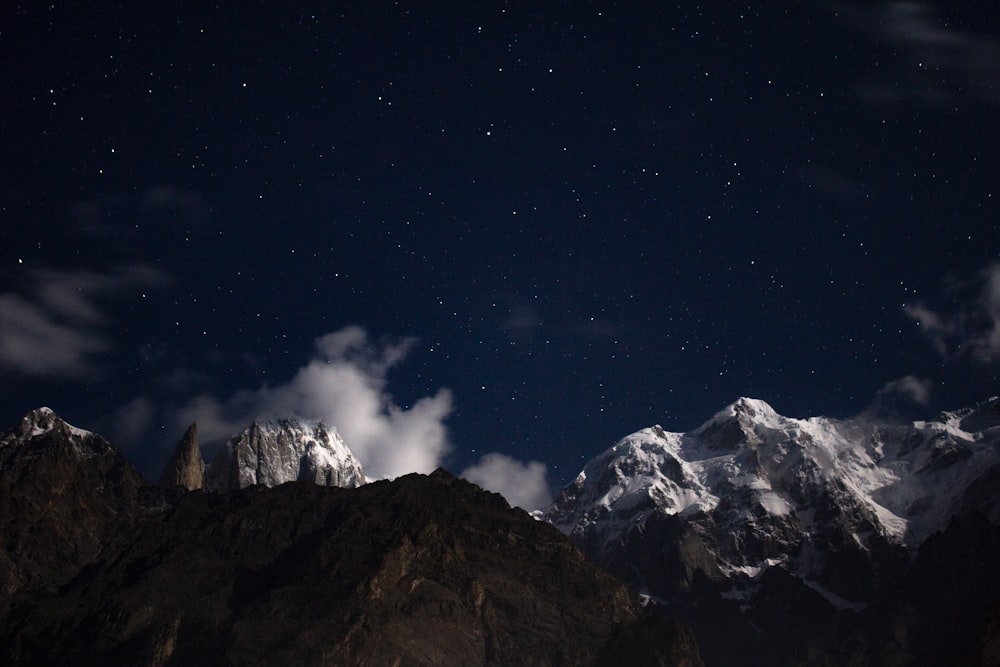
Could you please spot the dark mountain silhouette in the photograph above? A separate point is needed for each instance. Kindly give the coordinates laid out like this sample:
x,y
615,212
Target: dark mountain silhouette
x,y
100,568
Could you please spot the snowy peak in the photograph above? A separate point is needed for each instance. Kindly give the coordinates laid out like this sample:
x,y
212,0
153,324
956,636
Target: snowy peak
x,y
273,452
760,489
42,428
39,422
982,417
749,409
739,423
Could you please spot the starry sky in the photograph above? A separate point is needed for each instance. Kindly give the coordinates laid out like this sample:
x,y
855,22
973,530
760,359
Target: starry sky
x,y
497,236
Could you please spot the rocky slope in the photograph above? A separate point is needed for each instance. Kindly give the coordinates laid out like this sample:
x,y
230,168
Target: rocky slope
x,y
423,570
64,494
759,523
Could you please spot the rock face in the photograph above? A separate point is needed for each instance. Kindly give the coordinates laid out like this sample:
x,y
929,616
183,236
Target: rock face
x,y
270,453
186,468
762,530
423,570
65,494
943,610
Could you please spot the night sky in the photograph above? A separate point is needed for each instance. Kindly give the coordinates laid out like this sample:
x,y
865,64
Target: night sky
x,y
517,228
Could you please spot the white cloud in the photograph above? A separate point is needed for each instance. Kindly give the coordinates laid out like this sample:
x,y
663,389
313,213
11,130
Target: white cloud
x,y
216,422
522,484
57,327
990,337
345,385
34,342
972,327
911,388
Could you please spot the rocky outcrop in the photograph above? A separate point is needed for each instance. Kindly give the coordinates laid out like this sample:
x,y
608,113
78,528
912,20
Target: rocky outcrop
x,y
186,468
942,611
65,495
269,453
421,570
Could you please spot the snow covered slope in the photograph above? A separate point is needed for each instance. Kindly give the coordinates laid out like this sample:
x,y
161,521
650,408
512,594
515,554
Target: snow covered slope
x,y
283,450
831,501
39,422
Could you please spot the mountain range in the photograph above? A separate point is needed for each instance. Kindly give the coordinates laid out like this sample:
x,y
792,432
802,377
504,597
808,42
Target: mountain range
x,y
780,541
785,538
98,567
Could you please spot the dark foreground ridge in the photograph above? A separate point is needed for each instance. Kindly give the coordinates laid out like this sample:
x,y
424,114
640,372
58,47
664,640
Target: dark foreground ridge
x,y
99,568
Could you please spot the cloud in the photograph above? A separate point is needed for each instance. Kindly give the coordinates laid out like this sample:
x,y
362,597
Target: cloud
x,y
972,327
132,420
908,388
522,484
345,385
217,420
522,321
943,62
57,326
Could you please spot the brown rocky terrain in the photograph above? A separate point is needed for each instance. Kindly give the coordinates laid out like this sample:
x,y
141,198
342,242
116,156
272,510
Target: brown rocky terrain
x,y
63,497
423,570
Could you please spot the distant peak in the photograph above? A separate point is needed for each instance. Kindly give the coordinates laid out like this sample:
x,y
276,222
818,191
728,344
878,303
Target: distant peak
x,y
745,403
753,409
274,450
42,413
285,422
40,420
186,468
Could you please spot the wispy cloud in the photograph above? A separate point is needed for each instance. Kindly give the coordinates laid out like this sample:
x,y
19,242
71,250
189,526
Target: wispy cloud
x,y
971,327
524,485
908,388
942,62
344,384
523,321
58,326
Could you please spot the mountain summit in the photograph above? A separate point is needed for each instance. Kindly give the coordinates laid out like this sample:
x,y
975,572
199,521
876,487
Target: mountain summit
x,y
64,493
186,468
752,501
267,453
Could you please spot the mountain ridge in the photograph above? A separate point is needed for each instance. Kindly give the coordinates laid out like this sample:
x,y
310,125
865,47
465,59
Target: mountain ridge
x,y
793,540
752,508
424,569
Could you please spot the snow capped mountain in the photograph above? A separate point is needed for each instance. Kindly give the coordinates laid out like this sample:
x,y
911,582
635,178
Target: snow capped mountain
x,y
833,502
283,450
63,492
39,422
42,427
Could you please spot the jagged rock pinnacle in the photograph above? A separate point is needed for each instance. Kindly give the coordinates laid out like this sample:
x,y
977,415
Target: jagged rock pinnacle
x,y
186,468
